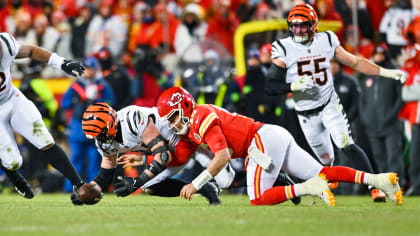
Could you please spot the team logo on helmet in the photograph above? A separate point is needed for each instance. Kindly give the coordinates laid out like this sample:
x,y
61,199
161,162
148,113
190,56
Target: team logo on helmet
x,y
176,98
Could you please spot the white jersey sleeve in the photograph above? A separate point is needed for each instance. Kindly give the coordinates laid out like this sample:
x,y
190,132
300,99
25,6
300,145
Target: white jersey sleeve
x,y
9,50
10,46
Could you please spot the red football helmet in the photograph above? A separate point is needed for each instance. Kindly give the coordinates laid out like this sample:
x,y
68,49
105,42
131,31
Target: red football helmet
x,y
302,22
173,100
100,122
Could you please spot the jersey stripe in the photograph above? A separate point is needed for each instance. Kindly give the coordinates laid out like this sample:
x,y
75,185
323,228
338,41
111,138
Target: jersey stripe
x,y
329,37
7,44
206,123
257,179
130,126
282,47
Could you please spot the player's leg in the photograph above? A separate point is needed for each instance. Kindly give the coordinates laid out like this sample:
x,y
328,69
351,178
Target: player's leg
x,y
317,137
334,119
11,160
27,121
274,142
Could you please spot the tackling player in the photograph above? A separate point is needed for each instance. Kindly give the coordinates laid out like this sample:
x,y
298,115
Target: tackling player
x,y
301,65
20,114
140,129
268,148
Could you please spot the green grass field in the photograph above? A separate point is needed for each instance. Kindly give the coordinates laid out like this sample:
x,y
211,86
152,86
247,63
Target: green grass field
x,y
53,214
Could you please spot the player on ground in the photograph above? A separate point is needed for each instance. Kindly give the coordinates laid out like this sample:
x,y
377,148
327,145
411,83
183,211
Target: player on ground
x,y
301,65
268,148
139,129
20,114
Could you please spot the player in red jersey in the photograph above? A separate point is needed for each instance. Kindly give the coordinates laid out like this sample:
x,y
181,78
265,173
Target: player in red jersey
x,y
267,148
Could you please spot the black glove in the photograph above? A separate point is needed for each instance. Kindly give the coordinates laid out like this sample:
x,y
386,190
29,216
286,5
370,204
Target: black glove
x,y
75,198
126,186
73,68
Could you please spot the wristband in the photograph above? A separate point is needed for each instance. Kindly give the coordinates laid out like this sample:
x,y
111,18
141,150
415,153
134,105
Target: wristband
x,y
202,179
55,61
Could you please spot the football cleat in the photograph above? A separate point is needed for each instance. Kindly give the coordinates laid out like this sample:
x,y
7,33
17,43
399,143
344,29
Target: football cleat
x,y
388,183
333,185
21,186
211,192
318,186
378,195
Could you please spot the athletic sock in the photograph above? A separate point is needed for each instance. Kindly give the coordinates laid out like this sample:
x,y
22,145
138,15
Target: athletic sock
x,y
59,160
276,195
345,174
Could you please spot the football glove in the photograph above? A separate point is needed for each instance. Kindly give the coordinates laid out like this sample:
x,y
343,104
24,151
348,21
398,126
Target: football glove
x,y
303,84
73,68
126,186
393,74
75,198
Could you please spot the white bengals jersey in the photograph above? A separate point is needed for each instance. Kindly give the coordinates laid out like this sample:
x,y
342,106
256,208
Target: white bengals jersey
x,y
9,50
313,60
133,121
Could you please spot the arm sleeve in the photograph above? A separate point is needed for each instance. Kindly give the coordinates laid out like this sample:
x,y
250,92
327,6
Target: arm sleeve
x,y
9,42
276,81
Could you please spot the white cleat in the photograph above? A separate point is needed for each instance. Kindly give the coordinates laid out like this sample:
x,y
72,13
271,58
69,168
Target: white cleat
x,y
318,186
388,183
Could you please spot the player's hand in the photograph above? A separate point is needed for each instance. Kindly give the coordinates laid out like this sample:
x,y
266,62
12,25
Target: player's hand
x,y
75,198
126,186
393,74
303,84
73,68
132,159
187,191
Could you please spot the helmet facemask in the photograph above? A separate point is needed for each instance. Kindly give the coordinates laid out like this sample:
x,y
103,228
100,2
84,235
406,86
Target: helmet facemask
x,y
178,113
301,32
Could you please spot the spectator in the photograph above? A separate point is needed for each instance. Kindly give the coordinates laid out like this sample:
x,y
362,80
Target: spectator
x,y
79,31
117,77
260,106
396,18
189,33
136,26
167,25
344,8
222,25
411,95
379,105
85,91
106,30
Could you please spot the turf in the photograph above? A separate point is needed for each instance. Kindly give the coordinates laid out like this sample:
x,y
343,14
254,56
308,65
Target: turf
x,y
53,214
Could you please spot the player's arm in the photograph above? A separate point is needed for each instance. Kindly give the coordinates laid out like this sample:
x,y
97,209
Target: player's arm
x,y
162,156
106,173
276,80
365,66
73,68
216,140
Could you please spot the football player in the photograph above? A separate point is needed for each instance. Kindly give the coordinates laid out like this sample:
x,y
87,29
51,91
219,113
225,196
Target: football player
x,y
301,65
140,129
20,114
268,148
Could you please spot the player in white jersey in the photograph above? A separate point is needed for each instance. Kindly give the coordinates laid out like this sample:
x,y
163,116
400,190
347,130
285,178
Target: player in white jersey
x,y
301,65
20,114
140,129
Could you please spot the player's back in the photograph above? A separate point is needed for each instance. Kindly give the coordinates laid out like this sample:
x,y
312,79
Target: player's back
x,y
9,50
237,129
313,60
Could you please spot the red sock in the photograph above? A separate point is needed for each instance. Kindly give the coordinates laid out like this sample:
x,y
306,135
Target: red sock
x,y
275,195
344,174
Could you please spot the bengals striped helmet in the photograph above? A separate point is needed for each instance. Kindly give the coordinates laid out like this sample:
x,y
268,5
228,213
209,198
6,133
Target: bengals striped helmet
x,y
100,122
302,22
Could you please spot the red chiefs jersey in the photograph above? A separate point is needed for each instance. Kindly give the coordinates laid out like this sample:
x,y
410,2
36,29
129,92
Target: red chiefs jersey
x,y
221,129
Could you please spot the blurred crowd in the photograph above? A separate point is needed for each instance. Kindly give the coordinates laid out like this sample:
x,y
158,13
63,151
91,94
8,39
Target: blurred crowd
x,y
134,49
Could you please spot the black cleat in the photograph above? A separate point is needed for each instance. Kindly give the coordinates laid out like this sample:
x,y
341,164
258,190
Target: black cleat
x,y
21,186
284,180
211,192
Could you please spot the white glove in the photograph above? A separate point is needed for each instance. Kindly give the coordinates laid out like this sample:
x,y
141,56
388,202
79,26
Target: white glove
x,y
303,84
91,91
393,74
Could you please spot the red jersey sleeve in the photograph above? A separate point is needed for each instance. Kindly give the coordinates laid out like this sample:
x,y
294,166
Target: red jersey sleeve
x,y
182,153
215,138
